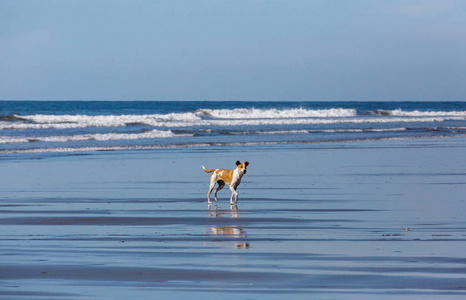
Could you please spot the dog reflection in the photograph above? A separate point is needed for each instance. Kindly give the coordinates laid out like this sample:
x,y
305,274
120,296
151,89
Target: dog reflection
x,y
237,232
233,232
214,212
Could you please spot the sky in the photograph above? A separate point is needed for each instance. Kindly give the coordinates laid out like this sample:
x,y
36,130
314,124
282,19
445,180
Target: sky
x,y
233,50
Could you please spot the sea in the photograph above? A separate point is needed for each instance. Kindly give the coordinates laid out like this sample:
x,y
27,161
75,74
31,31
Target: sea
x,y
32,127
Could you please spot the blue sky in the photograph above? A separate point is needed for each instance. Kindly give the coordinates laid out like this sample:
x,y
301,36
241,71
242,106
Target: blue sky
x,y
233,50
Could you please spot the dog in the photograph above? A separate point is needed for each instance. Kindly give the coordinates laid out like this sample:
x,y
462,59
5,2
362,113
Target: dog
x,y
230,177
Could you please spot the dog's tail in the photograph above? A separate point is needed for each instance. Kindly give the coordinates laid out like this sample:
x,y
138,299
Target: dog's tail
x,y
207,171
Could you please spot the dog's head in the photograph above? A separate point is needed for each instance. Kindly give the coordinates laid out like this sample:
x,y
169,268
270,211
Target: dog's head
x,y
242,167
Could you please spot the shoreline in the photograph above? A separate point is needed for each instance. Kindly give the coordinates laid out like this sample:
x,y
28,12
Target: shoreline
x,y
91,150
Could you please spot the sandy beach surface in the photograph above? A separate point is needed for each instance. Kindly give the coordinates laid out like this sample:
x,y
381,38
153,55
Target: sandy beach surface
x,y
362,220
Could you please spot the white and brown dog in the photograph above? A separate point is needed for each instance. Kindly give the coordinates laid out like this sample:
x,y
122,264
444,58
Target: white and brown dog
x,y
231,177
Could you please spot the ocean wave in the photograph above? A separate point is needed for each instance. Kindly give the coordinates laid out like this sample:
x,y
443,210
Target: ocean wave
x,y
305,131
417,113
122,121
216,144
227,117
153,134
318,121
199,117
11,118
253,113
81,121
101,148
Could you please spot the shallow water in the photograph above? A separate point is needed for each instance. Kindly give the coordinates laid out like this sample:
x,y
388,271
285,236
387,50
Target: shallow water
x,y
331,221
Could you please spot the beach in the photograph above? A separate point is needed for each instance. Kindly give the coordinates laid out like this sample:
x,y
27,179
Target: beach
x,y
343,220
350,114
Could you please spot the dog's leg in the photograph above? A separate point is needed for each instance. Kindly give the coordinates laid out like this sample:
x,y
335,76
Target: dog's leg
x,y
233,193
221,184
212,185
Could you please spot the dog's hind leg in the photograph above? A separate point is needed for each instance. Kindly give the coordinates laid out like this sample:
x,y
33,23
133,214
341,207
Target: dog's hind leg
x,y
212,185
221,184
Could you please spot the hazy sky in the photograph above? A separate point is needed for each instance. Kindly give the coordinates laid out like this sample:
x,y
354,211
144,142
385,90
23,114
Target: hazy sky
x,y
233,50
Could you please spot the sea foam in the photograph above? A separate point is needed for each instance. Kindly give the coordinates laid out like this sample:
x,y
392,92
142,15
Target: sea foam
x,y
153,134
253,113
235,117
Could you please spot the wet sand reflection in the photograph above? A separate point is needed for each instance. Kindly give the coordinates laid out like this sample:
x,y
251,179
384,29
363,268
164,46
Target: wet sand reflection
x,y
230,232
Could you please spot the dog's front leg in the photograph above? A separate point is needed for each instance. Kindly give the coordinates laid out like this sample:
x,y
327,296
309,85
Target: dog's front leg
x,y
233,194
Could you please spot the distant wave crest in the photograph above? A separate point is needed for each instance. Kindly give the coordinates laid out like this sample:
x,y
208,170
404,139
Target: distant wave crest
x,y
228,117
417,113
253,113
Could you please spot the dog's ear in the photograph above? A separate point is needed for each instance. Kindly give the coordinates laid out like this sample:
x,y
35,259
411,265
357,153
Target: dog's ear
x,y
246,163
238,163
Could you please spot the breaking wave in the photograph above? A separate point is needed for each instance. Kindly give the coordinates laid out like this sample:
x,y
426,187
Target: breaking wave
x,y
226,117
78,127
244,113
417,113
153,134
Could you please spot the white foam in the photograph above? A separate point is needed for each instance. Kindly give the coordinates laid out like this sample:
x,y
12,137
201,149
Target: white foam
x,y
228,117
152,147
365,130
8,139
153,134
103,148
283,132
224,122
253,113
316,121
417,113
324,131
84,121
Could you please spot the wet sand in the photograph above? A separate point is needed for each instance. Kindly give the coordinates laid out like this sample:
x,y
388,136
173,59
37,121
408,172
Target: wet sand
x,y
375,220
